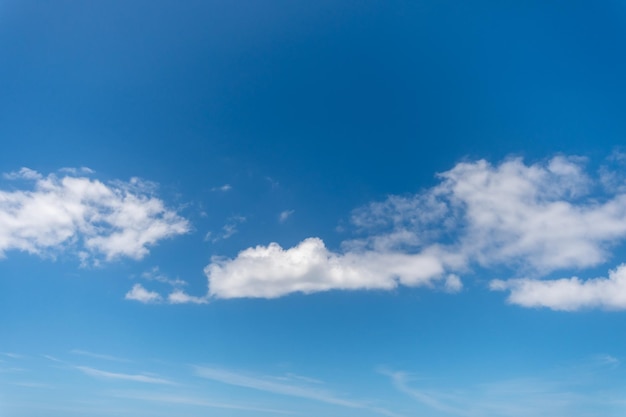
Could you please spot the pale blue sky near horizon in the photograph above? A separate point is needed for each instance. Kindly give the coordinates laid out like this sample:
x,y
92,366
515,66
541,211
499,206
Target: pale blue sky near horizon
x,y
393,208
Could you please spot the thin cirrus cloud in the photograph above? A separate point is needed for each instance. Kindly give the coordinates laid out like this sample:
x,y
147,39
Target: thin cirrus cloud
x,y
97,373
290,388
532,218
193,401
96,220
562,391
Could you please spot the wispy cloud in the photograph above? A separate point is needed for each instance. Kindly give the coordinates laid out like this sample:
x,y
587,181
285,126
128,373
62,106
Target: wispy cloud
x,y
98,356
566,391
223,188
292,389
93,219
155,274
97,373
32,385
188,400
12,355
228,230
284,215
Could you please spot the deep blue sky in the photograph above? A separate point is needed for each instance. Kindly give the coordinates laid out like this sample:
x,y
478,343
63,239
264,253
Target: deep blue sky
x,y
254,122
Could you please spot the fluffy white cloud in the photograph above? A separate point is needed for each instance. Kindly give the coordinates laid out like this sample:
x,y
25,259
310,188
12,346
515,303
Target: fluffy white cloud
x,y
540,217
96,219
534,219
271,271
181,297
139,293
568,294
533,216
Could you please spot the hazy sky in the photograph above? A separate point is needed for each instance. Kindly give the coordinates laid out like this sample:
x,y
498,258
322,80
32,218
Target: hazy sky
x,y
312,208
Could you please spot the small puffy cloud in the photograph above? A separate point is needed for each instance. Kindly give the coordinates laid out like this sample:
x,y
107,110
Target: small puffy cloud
x,y
176,296
271,271
94,219
181,297
568,294
284,215
23,173
139,293
224,188
453,283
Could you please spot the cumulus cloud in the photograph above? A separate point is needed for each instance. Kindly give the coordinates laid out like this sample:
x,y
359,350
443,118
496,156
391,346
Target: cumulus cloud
x,y
541,217
568,294
531,218
271,271
97,220
139,293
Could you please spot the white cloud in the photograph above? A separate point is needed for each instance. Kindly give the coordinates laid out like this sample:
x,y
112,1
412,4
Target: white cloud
x,y
453,283
126,377
568,294
139,293
534,219
180,297
177,295
92,218
284,215
76,171
291,388
187,400
97,356
539,217
565,391
23,173
225,187
531,216
271,271
228,230
432,399
155,274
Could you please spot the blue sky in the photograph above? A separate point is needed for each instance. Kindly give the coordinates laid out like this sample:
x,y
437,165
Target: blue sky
x,y
312,208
